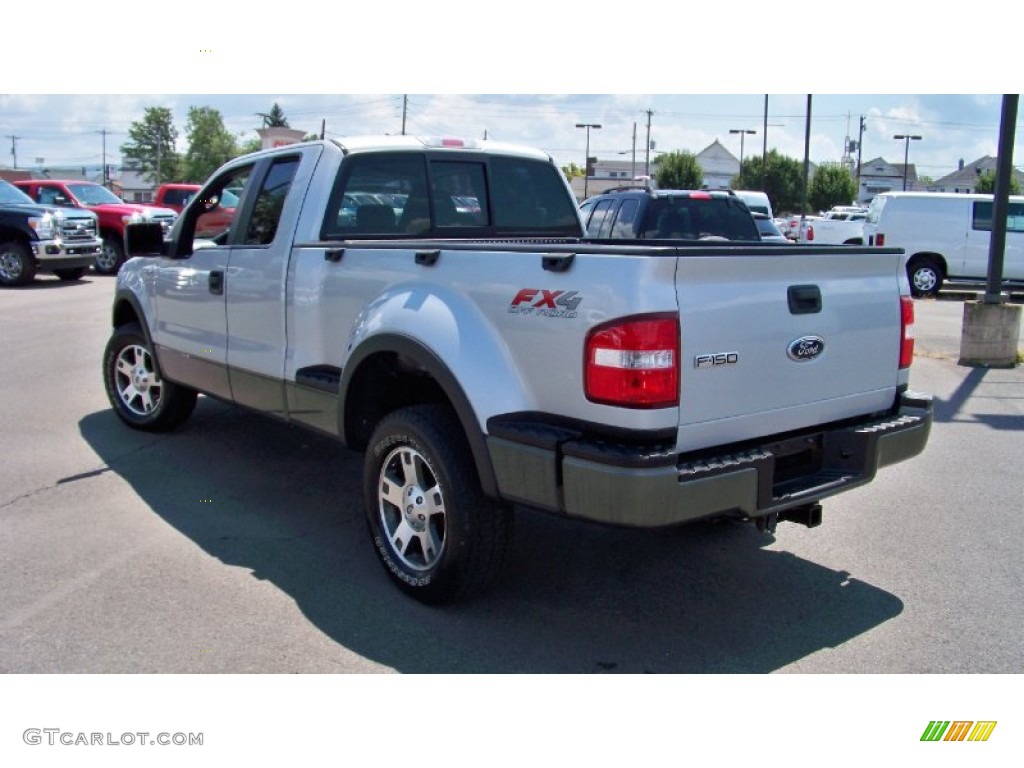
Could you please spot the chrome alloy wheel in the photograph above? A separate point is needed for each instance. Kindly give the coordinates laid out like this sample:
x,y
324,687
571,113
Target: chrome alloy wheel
x,y
136,380
411,508
11,265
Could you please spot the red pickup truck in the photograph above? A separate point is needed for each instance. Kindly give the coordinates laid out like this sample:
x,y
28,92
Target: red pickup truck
x,y
113,213
209,225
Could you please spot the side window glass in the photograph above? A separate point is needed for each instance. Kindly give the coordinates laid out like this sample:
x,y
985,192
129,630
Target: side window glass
x,y
213,220
586,209
378,195
982,216
601,211
624,221
266,212
1015,220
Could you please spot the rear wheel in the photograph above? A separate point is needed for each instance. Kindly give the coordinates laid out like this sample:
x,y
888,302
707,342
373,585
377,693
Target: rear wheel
x,y
141,399
17,265
925,275
436,533
111,256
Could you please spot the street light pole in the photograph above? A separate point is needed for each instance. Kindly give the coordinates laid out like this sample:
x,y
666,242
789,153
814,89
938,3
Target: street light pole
x,y
586,158
906,153
743,132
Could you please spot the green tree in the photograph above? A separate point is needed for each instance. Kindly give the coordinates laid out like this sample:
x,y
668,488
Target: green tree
x,y
210,144
252,145
679,170
573,171
150,146
832,185
780,177
274,118
987,183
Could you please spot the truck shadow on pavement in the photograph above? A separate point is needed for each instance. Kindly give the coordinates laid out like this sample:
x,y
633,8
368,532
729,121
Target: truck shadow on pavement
x,y
575,597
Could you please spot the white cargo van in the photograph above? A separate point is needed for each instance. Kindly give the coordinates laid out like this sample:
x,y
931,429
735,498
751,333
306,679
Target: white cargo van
x,y
757,202
945,237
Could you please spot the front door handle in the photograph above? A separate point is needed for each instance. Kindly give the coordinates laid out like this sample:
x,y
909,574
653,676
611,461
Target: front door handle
x,y
217,282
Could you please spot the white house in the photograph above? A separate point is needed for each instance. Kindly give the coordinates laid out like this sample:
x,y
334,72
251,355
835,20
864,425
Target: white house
x,y
720,165
879,175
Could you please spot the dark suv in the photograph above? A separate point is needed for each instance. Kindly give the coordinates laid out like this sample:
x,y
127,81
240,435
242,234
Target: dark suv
x,y
636,213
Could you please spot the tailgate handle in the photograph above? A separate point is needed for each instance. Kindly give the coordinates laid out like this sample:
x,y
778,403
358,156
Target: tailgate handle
x,y
804,299
557,262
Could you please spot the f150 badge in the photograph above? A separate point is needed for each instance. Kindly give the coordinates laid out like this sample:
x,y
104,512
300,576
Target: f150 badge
x,y
805,349
714,360
544,303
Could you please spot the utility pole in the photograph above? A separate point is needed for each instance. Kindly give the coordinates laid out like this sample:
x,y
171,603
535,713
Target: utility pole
x,y
106,179
586,157
632,167
647,161
764,149
860,145
14,151
405,110
807,161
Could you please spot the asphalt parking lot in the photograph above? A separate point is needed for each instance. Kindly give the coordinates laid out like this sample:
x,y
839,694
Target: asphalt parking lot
x,y
237,544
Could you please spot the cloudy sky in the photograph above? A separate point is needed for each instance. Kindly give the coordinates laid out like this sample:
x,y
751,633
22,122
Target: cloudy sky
x,y
525,74
68,129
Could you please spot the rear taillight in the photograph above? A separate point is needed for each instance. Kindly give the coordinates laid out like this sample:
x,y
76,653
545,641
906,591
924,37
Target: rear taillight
x,y
879,239
634,362
907,331
810,233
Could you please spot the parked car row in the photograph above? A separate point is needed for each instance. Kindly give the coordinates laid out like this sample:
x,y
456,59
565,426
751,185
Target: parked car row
x,y
38,238
112,212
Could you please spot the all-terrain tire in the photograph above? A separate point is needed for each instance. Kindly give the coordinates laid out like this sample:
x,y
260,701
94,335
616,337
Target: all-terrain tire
x,y
438,536
138,395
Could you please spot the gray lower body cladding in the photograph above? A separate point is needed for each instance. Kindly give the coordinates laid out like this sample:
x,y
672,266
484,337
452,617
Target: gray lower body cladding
x,y
567,470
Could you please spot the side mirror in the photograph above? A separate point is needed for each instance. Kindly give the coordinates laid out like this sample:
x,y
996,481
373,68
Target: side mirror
x,y
144,239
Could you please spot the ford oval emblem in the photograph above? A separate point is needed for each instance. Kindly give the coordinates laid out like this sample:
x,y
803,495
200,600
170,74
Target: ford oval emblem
x,y
806,348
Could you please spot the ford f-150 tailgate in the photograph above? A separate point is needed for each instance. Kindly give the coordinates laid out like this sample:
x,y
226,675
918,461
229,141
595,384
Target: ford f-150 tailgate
x,y
774,343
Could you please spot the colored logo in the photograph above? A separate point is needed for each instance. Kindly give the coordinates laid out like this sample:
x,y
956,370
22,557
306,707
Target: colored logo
x,y
958,730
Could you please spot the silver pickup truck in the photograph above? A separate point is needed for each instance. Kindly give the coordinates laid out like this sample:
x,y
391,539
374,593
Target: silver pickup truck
x,y
435,304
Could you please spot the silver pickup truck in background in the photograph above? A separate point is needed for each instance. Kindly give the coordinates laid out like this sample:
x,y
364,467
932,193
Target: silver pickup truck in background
x,y
435,304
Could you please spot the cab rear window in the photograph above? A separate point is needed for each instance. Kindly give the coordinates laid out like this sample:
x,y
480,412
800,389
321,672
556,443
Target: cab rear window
x,y
403,194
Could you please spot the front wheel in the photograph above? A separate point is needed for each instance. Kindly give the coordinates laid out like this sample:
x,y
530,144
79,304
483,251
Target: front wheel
x,y
111,256
17,266
435,532
140,398
925,276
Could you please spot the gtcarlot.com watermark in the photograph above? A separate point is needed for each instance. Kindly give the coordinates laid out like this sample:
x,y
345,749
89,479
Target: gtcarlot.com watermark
x,y
56,736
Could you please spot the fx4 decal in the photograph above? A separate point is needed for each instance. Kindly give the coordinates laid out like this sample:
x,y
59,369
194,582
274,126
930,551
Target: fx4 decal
x,y
544,303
